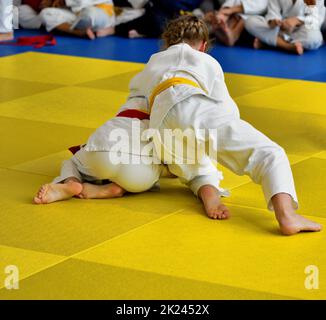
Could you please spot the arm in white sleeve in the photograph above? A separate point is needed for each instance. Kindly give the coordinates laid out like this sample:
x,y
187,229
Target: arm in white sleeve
x,y
254,7
231,3
274,11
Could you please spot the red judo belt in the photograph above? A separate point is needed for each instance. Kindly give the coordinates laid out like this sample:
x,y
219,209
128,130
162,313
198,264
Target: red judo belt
x,y
134,113
129,113
35,41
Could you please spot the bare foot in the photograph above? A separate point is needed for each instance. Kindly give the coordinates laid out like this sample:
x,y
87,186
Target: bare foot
x,y
49,193
92,191
105,32
294,223
90,34
133,34
6,36
298,48
212,203
258,44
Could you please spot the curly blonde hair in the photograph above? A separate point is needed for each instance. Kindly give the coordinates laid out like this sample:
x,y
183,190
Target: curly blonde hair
x,y
187,28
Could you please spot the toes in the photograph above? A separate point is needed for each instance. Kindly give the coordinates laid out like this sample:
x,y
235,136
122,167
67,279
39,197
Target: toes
x,y
221,214
313,227
37,200
216,214
43,190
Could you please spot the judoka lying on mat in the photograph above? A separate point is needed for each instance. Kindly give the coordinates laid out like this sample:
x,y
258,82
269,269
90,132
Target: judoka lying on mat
x,y
118,158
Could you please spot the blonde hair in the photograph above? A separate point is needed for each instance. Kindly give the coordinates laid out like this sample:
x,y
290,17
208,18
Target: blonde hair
x,y
188,29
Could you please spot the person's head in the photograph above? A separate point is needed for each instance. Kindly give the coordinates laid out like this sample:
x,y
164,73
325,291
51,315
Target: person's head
x,y
187,29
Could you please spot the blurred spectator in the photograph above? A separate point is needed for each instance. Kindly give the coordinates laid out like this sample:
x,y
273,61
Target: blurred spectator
x,y
289,25
157,13
228,23
29,10
92,18
6,20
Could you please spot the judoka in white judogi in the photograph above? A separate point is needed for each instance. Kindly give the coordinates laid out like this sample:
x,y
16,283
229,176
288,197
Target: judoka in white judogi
x,y
100,159
80,14
309,33
233,142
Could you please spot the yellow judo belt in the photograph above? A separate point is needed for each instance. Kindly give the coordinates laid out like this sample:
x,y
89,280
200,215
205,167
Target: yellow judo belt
x,y
170,83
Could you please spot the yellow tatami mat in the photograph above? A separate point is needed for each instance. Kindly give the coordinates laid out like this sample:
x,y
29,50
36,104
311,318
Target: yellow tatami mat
x,y
156,245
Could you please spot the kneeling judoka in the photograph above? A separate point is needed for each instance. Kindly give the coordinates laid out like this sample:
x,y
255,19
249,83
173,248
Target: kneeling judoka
x,y
187,91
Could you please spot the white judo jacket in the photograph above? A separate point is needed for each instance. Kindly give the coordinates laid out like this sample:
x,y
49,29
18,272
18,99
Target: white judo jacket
x,y
182,61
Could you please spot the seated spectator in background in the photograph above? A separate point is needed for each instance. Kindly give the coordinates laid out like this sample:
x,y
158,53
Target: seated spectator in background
x,y
92,18
128,10
228,23
29,13
291,25
157,13
6,20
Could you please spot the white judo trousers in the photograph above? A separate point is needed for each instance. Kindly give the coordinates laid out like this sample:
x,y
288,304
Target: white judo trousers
x,y
100,159
6,16
97,166
309,34
235,143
